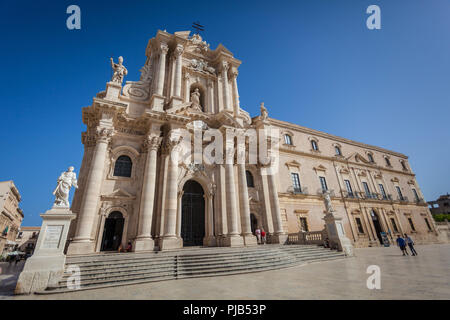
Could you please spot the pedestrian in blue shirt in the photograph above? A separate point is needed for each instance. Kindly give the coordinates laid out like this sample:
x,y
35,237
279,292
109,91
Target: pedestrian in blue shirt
x,y
402,244
410,244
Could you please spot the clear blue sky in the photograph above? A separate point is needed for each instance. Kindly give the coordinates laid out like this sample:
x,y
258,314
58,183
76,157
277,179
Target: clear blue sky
x,y
312,62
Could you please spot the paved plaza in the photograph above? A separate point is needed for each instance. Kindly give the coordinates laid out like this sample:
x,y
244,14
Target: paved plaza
x,y
425,276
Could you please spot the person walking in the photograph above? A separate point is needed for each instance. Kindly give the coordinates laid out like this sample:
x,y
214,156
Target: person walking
x,y
258,235
410,244
263,236
402,244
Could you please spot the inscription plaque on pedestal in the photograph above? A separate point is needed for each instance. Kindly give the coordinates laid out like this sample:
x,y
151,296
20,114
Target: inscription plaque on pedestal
x,y
52,236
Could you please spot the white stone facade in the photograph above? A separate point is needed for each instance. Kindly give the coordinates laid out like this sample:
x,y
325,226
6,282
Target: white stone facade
x,y
145,203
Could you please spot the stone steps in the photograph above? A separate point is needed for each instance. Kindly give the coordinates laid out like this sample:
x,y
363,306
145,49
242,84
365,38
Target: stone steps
x,y
107,270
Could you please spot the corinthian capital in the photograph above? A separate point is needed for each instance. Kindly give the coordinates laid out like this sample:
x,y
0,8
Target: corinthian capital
x,y
152,143
234,72
164,48
104,134
178,51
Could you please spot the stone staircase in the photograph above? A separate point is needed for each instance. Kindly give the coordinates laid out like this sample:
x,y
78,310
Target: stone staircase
x,y
116,269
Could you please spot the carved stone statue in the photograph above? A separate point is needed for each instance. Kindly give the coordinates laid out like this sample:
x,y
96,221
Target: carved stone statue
x,y
65,181
327,200
264,113
119,71
195,99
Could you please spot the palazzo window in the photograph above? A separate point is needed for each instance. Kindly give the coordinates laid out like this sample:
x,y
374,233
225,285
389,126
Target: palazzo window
x,y
411,224
323,184
288,139
383,192
296,183
416,196
428,224
403,165
388,162
370,157
123,167
304,224
314,145
349,188
394,225
359,225
337,150
250,181
366,189
399,192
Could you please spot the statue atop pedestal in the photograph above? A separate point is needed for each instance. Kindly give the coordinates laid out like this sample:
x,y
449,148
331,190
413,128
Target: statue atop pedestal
x,y
264,113
65,181
119,71
195,100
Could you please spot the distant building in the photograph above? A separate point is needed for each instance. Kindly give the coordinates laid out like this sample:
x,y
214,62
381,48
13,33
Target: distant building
x,y
11,216
441,205
27,238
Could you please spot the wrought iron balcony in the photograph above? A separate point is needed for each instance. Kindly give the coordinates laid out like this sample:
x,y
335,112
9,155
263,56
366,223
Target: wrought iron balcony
x,y
350,195
386,197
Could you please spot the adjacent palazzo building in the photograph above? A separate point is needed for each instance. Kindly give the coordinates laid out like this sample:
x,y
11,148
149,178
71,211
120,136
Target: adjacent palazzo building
x,y
11,216
132,189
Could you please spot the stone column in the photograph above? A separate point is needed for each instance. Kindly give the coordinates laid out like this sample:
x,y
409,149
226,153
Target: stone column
x,y
82,242
162,69
211,96
144,241
233,238
180,212
170,239
226,89
236,108
186,88
249,239
178,64
279,235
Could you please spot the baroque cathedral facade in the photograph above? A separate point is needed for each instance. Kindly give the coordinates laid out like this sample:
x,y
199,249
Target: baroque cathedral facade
x,y
133,188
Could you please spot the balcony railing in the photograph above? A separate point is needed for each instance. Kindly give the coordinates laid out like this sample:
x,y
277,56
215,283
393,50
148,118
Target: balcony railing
x,y
294,190
321,191
350,195
402,199
386,197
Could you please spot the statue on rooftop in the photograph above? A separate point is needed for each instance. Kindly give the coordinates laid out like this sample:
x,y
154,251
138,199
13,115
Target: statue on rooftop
x,y
264,113
119,71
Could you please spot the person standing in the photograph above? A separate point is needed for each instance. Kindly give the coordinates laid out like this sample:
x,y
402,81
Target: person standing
x,y
258,235
263,236
402,244
410,244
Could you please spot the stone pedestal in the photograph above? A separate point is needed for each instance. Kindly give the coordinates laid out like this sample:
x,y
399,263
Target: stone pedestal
x,y
336,234
232,241
157,102
209,241
168,243
175,102
144,244
250,240
46,266
279,238
113,91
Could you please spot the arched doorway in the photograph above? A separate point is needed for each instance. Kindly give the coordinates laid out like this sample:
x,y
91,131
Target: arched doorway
x,y
253,222
112,232
377,225
193,214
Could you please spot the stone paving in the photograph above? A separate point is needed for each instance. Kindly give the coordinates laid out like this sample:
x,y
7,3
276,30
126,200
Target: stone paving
x,y
425,276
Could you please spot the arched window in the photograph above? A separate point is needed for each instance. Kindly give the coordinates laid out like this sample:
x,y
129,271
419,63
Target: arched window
x,y
314,145
123,167
250,182
388,163
370,156
338,151
288,139
403,165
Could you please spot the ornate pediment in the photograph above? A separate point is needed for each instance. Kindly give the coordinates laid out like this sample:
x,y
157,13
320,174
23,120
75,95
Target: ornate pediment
x,y
196,44
395,179
118,194
378,175
320,168
356,157
344,170
293,163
